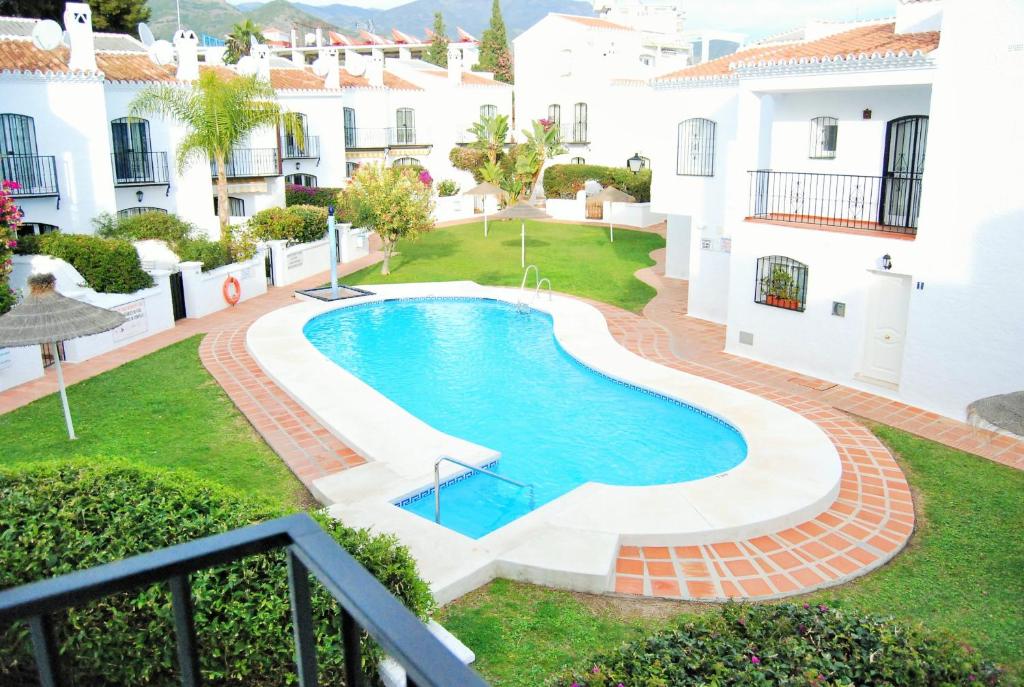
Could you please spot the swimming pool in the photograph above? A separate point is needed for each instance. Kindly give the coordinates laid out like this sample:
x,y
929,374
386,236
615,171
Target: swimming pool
x,y
480,370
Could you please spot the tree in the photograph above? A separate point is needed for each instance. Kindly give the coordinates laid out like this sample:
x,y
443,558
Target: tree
x,y
542,143
240,40
437,53
494,53
119,16
390,200
490,133
219,113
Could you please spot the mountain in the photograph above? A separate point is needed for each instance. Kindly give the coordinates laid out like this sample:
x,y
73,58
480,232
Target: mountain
x,y
213,17
283,15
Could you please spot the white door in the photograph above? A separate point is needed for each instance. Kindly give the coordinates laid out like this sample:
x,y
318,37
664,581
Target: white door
x,y
888,303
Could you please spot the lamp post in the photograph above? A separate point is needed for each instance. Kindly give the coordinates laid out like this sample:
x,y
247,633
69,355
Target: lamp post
x,y
635,163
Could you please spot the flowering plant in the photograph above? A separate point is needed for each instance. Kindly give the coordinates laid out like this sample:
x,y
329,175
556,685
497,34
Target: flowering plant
x,y
10,220
425,178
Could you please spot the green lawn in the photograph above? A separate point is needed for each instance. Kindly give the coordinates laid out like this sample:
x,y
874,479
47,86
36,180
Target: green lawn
x,y
962,573
577,259
162,410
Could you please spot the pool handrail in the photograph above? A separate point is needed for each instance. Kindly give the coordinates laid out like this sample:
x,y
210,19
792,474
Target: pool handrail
x,y
483,471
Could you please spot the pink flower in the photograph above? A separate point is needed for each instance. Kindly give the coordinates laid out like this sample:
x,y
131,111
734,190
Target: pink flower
x,y
595,670
13,185
755,660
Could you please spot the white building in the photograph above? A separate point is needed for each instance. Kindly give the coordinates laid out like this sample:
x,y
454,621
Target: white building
x,y
804,215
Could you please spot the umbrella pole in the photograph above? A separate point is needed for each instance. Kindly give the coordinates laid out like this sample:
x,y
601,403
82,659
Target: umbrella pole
x,y
485,220
611,228
522,253
63,392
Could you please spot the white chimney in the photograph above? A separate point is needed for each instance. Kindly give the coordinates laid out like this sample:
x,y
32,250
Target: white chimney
x,y
78,24
297,57
375,68
261,53
332,79
186,43
319,37
454,65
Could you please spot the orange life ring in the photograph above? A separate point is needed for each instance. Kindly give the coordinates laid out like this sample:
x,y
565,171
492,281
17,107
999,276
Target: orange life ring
x,y
231,296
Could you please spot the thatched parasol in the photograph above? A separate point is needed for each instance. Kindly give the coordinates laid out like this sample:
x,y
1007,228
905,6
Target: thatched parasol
x,y
484,189
522,211
46,317
610,194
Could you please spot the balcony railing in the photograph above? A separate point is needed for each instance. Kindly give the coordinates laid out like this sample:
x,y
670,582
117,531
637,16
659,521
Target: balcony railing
x,y
250,162
364,604
463,136
574,133
35,175
886,204
310,148
357,138
406,136
138,169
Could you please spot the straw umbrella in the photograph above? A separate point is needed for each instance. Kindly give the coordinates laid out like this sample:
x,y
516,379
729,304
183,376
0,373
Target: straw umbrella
x,y
484,189
46,317
522,211
610,195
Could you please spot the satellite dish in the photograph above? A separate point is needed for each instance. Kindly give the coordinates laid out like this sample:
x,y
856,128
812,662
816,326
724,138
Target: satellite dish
x,y
161,53
146,36
310,39
248,66
321,66
47,35
355,64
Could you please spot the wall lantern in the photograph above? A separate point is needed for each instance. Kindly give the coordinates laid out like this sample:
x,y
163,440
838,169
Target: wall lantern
x,y
635,163
21,212
886,262
867,113
138,196
297,165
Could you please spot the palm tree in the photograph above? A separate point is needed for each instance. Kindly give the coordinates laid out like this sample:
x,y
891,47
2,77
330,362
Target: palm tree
x,y
542,143
219,113
490,133
240,40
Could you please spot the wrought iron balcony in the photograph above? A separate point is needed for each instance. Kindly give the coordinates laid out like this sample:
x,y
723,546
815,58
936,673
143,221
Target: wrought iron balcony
x,y
364,604
888,204
407,136
139,169
291,150
357,138
35,175
250,162
574,134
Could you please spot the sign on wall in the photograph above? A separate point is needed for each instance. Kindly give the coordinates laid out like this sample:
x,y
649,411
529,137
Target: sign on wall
x,y
136,323
295,259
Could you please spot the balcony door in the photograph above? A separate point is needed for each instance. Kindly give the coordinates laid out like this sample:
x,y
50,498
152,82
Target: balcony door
x,y
18,151
350,127
905,141
405,130
291,142
133,162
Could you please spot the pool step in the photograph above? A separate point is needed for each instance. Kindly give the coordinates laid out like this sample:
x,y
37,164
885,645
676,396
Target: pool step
x,y
574,559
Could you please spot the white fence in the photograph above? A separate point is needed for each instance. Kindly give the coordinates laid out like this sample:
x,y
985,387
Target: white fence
x,y
448,208
205,291
295,263
629,214
19,365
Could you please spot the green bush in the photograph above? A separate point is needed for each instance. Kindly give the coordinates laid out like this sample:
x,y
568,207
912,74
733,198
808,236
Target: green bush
x,y
447,187
314,222
70,516
565,181
108,265
321,196
162,226
787,645
212,254
469,160
274,224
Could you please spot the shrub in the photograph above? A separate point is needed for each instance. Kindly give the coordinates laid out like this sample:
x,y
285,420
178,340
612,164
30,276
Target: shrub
x,y
447,187
274,224
314,222
162,226
787,645
69,516
10,220
564,181
108,265
321,196
469,160
212,254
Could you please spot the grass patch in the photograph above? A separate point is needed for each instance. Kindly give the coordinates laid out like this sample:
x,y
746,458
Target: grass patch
x,y
961,574
578,259
162,410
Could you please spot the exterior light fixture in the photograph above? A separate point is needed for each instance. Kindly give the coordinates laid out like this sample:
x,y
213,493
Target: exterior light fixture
x,y
867,113
635,163
886,262
296,165
138,196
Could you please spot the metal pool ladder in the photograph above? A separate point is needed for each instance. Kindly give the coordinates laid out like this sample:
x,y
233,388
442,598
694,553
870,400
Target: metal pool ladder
x,y
521,304
483,471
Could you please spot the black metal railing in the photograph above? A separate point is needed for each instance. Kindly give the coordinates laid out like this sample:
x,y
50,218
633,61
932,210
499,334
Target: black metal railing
x,y
364,604
367,138
575,133
35,175
131,168
250,162
884,203
310,148
405,136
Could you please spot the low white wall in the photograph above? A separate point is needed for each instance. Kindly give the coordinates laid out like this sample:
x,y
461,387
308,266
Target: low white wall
x,y
677,247
204,290
295,263
355,242
20,365
633,214
562,208
450,208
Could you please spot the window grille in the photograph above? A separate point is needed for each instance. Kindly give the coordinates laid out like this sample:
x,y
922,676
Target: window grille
x,y
695,155
405,130
405,162
555,115
577,161
824,133
781,282
139,210
488,111
301,180
579,123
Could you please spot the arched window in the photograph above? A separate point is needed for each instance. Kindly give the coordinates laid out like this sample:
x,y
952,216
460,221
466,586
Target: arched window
x,y
577,161
695,152
579,123
350,127
36,228
236,206
301,180
406,162
405,126
824,133
133,158
17,134
350,168
488,110
19,160
138,210
555,115
290,144
781,282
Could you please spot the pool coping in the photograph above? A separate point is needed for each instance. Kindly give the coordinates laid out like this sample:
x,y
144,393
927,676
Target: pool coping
x,y
791,473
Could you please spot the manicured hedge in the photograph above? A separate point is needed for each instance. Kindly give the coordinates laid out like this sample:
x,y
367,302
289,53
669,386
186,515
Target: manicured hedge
x,y
58,518
212,254
787,645
565,181
314,222
162,226
108,265
321,196
295,224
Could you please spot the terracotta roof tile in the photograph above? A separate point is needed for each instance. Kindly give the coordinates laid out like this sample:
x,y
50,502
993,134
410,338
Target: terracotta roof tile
x,y
467,78
305,80
877,38
21,55
595,23
133,68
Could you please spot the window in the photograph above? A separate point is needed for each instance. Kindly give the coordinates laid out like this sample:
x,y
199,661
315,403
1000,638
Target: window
x,y
647,60
555,115
579,123
133,162
138,210
406,162
695,154
824,132
781,282
236,207
488,110
577,161
35,228
405,126
350,168
350,127
301,180
290,143
17,135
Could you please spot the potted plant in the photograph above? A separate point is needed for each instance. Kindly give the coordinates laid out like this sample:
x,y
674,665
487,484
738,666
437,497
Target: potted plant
x,y
780,288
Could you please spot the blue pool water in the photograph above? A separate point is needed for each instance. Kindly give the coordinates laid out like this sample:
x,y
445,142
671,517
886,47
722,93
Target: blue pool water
x,y
480,370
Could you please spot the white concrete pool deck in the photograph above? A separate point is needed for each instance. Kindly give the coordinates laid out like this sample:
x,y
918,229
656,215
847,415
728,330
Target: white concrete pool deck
x,y
791,473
